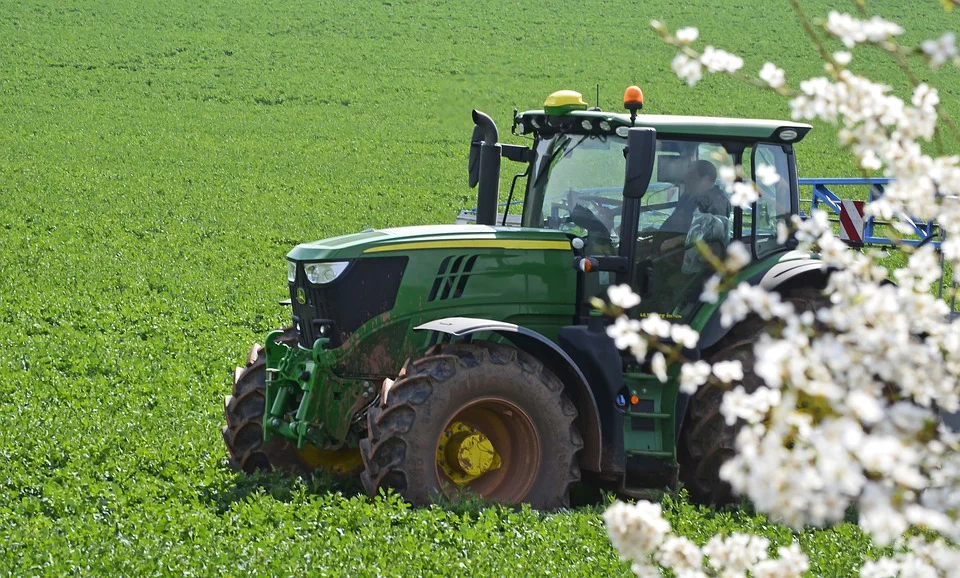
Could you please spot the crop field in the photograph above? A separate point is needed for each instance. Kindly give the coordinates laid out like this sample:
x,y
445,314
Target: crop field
x,y
159,159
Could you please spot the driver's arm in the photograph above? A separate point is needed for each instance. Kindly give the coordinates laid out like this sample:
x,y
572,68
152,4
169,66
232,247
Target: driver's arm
x,y
672,243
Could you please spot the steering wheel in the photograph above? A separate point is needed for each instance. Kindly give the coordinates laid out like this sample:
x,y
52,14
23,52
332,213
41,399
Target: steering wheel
x,y
647,235
586,219
605,209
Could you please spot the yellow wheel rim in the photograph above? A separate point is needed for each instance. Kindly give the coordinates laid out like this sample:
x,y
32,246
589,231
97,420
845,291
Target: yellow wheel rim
x,y
490,448
465,454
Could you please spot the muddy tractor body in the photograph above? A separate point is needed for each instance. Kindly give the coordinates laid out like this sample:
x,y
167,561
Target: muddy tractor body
x,y
444,359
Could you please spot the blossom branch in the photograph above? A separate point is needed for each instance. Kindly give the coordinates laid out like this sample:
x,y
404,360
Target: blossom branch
x,y
848,412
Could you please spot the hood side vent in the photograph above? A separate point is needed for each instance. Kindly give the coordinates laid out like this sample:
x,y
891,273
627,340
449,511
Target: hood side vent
x,y
452,277
439,279
463,278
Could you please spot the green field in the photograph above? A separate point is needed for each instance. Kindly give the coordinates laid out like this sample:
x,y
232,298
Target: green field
x,y
158,160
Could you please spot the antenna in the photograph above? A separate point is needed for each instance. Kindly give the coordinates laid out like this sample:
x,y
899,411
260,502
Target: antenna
x,y
598,95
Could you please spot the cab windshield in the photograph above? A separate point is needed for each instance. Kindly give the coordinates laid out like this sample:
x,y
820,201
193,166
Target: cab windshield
x,y
572,171
577,185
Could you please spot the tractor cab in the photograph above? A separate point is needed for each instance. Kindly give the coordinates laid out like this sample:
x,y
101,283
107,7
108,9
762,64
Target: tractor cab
x,y
575,183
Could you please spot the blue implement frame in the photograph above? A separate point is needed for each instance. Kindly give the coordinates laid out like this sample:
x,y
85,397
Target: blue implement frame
x,y
822,197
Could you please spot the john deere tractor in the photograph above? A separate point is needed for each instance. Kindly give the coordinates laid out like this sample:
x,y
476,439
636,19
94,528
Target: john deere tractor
x,y
451,359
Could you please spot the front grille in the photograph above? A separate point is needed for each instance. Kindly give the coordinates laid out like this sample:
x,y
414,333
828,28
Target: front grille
x,y
366,289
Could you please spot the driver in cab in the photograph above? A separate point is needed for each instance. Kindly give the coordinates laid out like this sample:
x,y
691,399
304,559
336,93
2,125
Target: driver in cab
x,y
701,193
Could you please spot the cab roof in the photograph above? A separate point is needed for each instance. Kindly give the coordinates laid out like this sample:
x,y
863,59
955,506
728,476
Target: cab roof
x,y
601,122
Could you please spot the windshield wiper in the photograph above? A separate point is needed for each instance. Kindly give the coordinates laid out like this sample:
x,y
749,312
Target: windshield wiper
x,y
553,156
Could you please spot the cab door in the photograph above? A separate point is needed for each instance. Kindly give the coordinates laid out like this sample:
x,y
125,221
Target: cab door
x,y
669,271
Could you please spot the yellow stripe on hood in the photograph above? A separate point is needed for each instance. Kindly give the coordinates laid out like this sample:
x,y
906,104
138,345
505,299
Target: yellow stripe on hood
x,y
474,244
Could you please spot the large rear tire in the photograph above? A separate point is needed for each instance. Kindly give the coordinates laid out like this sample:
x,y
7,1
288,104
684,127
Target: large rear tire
x,y
244,411
706,441
464,396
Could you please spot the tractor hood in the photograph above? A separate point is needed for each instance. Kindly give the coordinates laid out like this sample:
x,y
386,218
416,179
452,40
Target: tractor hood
x,y
404,239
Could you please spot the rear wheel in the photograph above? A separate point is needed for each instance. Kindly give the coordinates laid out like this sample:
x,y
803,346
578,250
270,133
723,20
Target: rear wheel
x,y
478,418
706,441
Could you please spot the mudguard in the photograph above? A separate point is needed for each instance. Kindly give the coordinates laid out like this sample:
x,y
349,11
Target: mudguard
x,y
792,270
552,356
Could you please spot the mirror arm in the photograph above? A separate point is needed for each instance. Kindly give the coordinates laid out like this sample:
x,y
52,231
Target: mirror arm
x,y
517,153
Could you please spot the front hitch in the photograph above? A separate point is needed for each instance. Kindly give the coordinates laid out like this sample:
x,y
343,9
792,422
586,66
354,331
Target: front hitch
x,y
306,401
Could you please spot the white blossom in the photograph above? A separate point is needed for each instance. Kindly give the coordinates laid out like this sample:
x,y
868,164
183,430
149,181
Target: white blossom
x,y
716,60
658,365
791,563
623,296
750,407
624,332
687,35
736,553
746,298
711,288
783,232
639,349
842,57
768,175
635,530
728,371
870,161
655,326
847,411
641,535
693,375
743,194
728,175
683,335
852,31
941,50
680,554
772,75
688,69
738,256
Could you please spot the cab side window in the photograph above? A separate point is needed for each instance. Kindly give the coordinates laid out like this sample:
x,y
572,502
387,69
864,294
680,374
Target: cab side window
x,y
769,171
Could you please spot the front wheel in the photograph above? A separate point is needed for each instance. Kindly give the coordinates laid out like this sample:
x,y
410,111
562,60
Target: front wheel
x,y
477,418
244,409
243,433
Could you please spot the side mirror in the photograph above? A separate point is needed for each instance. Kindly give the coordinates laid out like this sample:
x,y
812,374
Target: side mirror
x,y
473,165
641,153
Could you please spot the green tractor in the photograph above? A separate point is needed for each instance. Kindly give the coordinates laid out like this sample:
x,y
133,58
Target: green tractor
x,y
467,359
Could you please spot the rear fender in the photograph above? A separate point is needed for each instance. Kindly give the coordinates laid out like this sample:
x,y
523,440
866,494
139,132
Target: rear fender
x,y
790,271
550,354
782,276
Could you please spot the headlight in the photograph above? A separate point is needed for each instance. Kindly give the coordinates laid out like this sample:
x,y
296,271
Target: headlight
x,y
320,273
291,271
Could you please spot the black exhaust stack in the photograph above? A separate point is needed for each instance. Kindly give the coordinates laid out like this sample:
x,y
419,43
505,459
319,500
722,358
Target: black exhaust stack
x,y
485,167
